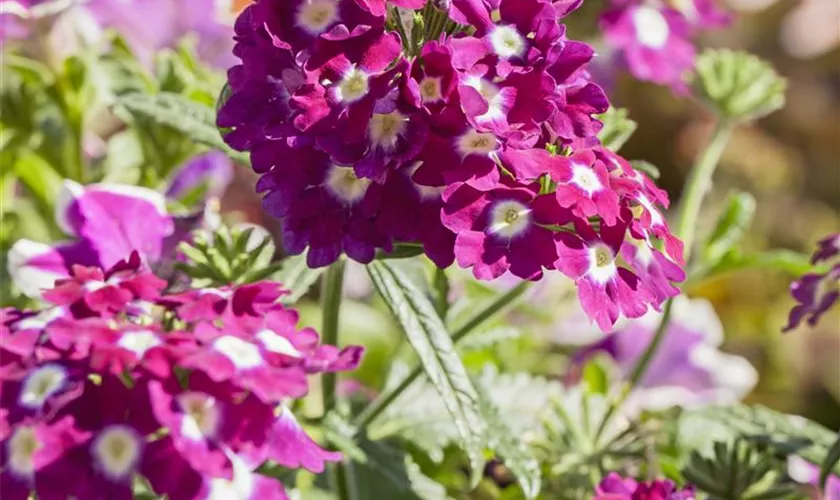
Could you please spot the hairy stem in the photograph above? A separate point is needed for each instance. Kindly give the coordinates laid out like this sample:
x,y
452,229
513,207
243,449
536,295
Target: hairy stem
x,y
501,304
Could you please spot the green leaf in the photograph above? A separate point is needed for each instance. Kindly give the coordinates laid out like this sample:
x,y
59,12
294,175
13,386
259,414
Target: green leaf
x,y
388,472
514,452
618,128
788,434
786,261
297,277
195,120
831,460
430,339
730,226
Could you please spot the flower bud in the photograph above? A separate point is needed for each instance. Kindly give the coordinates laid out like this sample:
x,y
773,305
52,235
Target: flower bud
x,y
737,85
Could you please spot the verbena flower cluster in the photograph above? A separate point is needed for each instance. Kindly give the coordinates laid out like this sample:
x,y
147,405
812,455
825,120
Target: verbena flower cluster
x,y
614,487
467,127
817,292
116,379
653,39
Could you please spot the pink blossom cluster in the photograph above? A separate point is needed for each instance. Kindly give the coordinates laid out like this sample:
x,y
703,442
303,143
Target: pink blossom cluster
x,y
614,487
653,39
476,140
117,380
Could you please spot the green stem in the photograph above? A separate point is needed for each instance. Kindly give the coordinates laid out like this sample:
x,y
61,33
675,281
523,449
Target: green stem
x,y
498,306
698,184
330,308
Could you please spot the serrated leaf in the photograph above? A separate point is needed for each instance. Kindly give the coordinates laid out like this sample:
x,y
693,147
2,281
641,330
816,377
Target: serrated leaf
x,y
433,345
483,339
195,120
731,225
508,444
830,462
297,277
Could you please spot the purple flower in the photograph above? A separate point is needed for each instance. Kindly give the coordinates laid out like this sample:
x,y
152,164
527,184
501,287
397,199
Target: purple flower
x,y
654,42
816,292
614,487
688,370
500,229
207,175
322,206
103,220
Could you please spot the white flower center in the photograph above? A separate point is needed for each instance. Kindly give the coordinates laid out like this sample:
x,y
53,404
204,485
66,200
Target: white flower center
x,y
277,343
353,86
474,142
585,178
244,355
430,89
345,184
651,27
21,448
601,263
385,129
202,416
117,450
315,16
139,342
41,384
240,487
509,218
507,42
491,94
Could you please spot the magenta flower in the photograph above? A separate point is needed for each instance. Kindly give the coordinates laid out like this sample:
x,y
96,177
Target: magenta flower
x,y
802,471
357,131
653,40
815,293
605,288
500,229
614,487
102,218
583,186
121,380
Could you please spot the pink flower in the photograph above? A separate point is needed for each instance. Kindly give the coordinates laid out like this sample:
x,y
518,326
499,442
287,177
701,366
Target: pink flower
x,y
614,487
605,288
654,42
